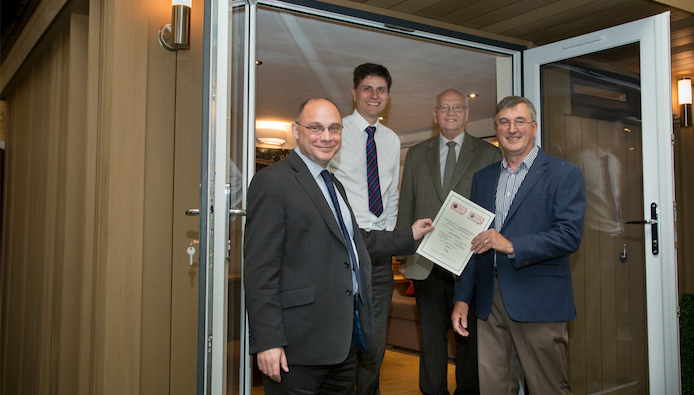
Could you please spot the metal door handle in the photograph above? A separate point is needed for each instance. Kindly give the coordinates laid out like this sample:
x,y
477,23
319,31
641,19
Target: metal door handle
x,y
232,212
654,227
643,222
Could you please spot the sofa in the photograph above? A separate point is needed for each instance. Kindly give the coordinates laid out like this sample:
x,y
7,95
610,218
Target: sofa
x,y
403,321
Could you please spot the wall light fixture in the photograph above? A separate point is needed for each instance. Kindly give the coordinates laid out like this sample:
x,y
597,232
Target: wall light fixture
x,y
684,93
176,35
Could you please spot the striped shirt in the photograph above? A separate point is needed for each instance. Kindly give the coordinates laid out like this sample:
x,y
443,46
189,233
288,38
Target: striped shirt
x,y
509,182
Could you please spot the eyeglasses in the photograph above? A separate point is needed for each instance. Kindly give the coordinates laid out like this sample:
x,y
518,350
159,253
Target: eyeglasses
x,y
506,124
446,107
319,129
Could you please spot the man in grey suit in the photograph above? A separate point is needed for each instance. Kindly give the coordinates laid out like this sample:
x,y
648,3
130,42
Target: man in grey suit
x,y
307,265
432,168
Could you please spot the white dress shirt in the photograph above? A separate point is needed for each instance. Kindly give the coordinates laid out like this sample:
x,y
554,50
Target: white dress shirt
x,y
443,150
349,166
315,170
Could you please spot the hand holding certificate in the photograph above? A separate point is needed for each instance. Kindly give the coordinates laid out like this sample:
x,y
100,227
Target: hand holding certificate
x,y
456,224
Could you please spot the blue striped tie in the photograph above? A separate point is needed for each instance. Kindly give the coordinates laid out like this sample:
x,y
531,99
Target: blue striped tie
x,y
375,200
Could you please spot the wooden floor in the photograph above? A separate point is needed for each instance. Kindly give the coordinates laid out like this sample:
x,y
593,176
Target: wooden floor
x,y
399,374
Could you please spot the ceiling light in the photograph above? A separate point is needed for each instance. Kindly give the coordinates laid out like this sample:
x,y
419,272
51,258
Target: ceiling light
x,y
271,136
271,141
258,62
472,95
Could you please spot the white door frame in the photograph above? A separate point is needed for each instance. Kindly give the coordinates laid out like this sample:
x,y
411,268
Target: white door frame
x,y
653,34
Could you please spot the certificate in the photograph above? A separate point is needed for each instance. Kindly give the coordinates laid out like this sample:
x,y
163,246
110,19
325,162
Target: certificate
x,y
456,224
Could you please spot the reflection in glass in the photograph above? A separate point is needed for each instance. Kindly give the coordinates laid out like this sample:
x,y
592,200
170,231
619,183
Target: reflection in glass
x,y
591,116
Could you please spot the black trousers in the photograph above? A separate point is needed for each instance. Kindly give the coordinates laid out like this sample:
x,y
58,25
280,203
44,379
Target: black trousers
x,y
369,365
337,379
434,297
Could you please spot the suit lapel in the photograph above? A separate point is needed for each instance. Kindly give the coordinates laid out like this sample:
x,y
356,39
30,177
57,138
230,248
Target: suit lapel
x,y
432,157
305,178
467,153
534,173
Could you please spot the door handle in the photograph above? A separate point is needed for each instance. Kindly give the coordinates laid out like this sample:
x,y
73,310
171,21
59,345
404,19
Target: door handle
x,y
643,222
654,227
194,212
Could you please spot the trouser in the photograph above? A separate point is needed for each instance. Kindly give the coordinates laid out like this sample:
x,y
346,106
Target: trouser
x,y
539,347
369,365
435,305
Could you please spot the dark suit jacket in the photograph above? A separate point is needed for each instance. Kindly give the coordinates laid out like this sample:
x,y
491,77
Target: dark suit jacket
x,y
297,276
545,225
421,195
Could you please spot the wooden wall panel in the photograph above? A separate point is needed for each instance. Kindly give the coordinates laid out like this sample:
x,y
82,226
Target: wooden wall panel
x,y
577,328
607,257
41,303
636,251
622,308
607,348
185,278
159,169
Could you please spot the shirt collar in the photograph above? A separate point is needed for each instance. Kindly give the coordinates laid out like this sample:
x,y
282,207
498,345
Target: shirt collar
x,y
313,167
363,123
527,161
443,140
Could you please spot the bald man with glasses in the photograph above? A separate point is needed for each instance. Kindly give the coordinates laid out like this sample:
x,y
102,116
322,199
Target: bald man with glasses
x,y
434,167
307,265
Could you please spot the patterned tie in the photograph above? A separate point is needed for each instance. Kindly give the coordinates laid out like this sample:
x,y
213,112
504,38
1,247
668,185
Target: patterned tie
x,y
375,201
450,166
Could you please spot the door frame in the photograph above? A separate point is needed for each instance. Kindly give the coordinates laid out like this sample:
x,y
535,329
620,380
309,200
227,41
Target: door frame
x,y
653,34
660,277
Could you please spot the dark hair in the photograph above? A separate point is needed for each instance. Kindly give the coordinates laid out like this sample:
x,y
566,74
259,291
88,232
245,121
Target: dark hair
x,y
369,69
301,107
512,101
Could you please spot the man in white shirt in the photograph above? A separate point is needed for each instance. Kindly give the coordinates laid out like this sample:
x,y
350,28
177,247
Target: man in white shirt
x,y
368,165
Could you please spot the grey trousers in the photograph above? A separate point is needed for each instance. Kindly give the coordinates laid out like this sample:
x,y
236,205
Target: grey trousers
x,y
540,347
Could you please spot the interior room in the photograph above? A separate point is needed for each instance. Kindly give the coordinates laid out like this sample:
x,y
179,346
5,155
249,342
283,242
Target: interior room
x,y
303,56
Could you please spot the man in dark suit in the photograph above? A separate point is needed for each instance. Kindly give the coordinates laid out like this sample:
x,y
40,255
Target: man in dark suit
x,y
442,163
520,277
307,265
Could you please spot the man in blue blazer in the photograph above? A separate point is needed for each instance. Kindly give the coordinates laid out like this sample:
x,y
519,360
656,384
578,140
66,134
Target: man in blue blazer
x,y
521,276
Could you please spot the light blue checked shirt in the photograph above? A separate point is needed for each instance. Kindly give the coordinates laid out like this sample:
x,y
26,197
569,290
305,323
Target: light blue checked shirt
x,y
506,189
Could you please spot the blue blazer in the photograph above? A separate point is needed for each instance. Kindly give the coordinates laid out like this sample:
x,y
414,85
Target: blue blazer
x,y
545,225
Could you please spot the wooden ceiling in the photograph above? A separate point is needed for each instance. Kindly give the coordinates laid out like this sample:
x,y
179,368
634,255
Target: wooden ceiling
x,y
543,21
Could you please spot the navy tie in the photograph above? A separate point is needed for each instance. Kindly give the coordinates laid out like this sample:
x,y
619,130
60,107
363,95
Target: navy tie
x,y
375,200
358,337
345,234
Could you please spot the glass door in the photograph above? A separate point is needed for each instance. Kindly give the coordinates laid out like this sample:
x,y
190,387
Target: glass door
x,y
301,52
225,174
603,102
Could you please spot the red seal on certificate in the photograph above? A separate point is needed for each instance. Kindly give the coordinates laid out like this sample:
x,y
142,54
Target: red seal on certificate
x,y
476,218
458,208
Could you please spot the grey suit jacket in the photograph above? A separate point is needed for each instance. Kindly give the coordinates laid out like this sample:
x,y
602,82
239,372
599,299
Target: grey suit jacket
x,y
298,277
421,195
